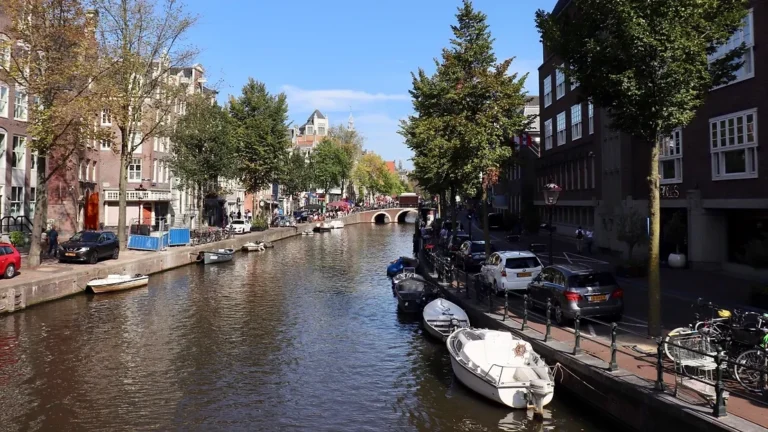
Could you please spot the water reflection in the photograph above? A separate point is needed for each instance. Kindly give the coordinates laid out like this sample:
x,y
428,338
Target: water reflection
x,y
305,336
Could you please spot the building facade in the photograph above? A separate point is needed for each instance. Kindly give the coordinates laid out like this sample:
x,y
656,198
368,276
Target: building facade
x,y
711,170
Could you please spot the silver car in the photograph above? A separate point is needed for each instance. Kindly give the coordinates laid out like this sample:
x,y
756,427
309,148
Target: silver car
x,y
576,289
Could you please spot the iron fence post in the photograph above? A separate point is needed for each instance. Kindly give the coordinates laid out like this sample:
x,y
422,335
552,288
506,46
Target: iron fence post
x,y
577,342
613,365
719,409
660,364
466,283
548,334
506,305
525,312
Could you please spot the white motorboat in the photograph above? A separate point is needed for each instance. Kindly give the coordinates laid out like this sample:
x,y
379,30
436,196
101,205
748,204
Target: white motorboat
x,y
336,224
442,317
117,282
253,247
501,367
307,233
322,227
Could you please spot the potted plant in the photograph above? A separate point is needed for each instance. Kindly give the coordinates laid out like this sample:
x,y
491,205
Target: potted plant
x,y
631,229
675,232
259,224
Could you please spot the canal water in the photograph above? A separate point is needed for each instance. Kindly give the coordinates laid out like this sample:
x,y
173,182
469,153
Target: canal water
x,y
304,336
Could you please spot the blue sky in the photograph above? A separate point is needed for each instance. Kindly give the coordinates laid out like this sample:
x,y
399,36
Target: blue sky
x,y
338,54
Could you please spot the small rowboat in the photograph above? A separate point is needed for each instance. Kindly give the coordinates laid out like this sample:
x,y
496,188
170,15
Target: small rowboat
x,y
322,227
116,282
215,256
251,247
336,224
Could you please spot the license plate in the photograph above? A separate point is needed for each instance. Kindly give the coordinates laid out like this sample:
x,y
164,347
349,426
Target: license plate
x,y
598,298
70,254
526,274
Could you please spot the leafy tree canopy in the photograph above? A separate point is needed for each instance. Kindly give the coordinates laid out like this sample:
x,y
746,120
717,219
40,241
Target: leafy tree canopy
x,y
331,164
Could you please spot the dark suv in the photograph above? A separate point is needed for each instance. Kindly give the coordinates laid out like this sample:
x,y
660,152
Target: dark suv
x,y
90,246
471,255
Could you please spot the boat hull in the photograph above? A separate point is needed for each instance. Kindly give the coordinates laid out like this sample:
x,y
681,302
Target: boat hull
x,y
409,306
432,331
119,286
441,317
215,257
322,229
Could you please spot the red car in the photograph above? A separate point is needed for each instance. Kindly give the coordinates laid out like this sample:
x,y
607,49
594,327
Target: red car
x,y
10,260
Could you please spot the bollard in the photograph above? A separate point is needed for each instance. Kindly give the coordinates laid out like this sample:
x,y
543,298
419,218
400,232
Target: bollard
x,y
660,364
719,409
506,305
525,312
548,334
613,365
577,342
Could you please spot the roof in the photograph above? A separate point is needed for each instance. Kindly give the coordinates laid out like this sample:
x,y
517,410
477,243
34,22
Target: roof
x,y
533,101
311,119
391,166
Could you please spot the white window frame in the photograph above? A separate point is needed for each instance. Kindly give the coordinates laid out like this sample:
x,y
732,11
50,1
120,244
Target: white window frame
x,y
93,171
591,115
154,171
33,160
106,117
5,94
16,201
32,199
576,121
548,135
310,130
548,91
321,130
561,127
134,170
137,138
5,52
105,145
21,104
725,132
560,83
672,151
19,148
746,35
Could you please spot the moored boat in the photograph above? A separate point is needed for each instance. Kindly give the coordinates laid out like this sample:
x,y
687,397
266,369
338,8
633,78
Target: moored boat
x,y
117,282
501,367
412,293
307,233
336,224
215,256
253,247
401,263
442,317
322,227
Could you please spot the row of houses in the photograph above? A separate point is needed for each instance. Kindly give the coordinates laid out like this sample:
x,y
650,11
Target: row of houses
x,y
712,171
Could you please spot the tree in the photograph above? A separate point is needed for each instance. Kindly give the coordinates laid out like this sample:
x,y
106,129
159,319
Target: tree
x,y
260,135
53,66
203,149
331,163
298,177
631,229
141,45
647,63
352,143
465,114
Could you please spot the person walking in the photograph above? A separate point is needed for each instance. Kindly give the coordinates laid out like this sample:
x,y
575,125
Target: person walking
x,y
239,215
579,238
589,235
53,242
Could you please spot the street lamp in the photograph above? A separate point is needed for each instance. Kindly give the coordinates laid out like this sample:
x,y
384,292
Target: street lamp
x,y
551,193
141,189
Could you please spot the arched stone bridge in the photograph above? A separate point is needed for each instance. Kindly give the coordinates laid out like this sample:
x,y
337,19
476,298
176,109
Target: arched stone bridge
x,y
388,215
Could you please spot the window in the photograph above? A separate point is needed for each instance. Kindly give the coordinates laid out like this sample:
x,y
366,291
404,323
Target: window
x,y
548,91
548,134
743,35
154,171
17,198
591,117
106,144
733,145
5,52
310,130
20,104
32,201
592,170
3,143
574,83
93,171
4,92
321,130
136,143
19,152
560,83
671,158
106,117
134,170
33,161
575,122
561,128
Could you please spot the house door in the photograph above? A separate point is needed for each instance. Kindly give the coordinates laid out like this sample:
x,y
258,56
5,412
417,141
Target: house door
x,y
146,214
91,218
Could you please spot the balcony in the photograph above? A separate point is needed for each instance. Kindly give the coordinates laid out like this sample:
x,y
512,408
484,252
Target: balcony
x,y
146,196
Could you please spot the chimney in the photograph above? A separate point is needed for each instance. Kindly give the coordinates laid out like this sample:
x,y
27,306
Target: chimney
x,y
91,21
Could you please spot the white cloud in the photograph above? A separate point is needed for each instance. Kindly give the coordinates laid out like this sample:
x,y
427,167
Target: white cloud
x,y
334,100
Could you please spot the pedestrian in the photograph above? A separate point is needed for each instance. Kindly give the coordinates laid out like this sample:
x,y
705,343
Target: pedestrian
x,y
239,215
579,238
589,235
53,242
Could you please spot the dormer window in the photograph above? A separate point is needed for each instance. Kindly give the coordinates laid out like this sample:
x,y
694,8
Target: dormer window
x,y
310,130
321,130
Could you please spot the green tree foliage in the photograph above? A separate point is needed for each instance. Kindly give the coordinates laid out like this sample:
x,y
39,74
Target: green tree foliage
x,y
298,177
352,143
260,135
331,163
631,229
465,113
646,62
203,149
371,173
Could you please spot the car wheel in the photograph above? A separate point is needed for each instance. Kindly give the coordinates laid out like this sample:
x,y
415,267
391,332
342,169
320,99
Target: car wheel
x,y
93,258
10,271
116,253
559,315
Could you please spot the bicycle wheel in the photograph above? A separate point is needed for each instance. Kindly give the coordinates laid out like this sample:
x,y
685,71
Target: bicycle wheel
x,y
747,376
670,337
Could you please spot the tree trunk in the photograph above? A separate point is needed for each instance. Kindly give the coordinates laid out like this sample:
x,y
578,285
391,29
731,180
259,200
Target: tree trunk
x,y
654,212
486,230
125,159
201,221
454,214
39,220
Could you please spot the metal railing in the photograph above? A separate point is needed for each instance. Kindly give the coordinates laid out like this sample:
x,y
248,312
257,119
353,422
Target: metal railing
x,y
483,292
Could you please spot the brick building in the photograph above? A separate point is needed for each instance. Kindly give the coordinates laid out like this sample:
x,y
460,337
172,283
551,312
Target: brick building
x,y
711,171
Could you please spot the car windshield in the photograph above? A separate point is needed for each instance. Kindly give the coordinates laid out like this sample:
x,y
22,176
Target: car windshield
x,y
591,280
522,263
238,222
478,247
85,237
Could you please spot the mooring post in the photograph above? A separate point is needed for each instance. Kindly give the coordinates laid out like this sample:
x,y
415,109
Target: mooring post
x,y
548,334
719,409
613,365
660,364
525,312
577,342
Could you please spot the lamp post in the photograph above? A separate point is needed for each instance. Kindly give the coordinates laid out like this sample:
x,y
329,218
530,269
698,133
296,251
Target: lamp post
x,y
141,189
551,193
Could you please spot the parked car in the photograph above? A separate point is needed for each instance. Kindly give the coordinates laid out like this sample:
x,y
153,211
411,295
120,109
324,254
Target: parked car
x,y
578,289
495,221
511,270
447,225
239,226
455,241
10,260
89,246
471,254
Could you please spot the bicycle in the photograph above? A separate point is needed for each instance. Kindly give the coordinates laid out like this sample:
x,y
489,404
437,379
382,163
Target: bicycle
x,y
750,366
713,329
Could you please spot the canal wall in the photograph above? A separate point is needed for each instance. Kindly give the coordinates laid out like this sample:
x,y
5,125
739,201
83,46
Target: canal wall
x,y
624,397
19,294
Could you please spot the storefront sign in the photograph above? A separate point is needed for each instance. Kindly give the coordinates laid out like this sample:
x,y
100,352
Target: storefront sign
x,y
670,191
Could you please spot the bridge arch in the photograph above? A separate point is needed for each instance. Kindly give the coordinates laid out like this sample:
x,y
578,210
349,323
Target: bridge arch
x,y
402,214
381,218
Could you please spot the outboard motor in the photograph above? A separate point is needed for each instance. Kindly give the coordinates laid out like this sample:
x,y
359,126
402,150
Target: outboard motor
x,y
539,390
